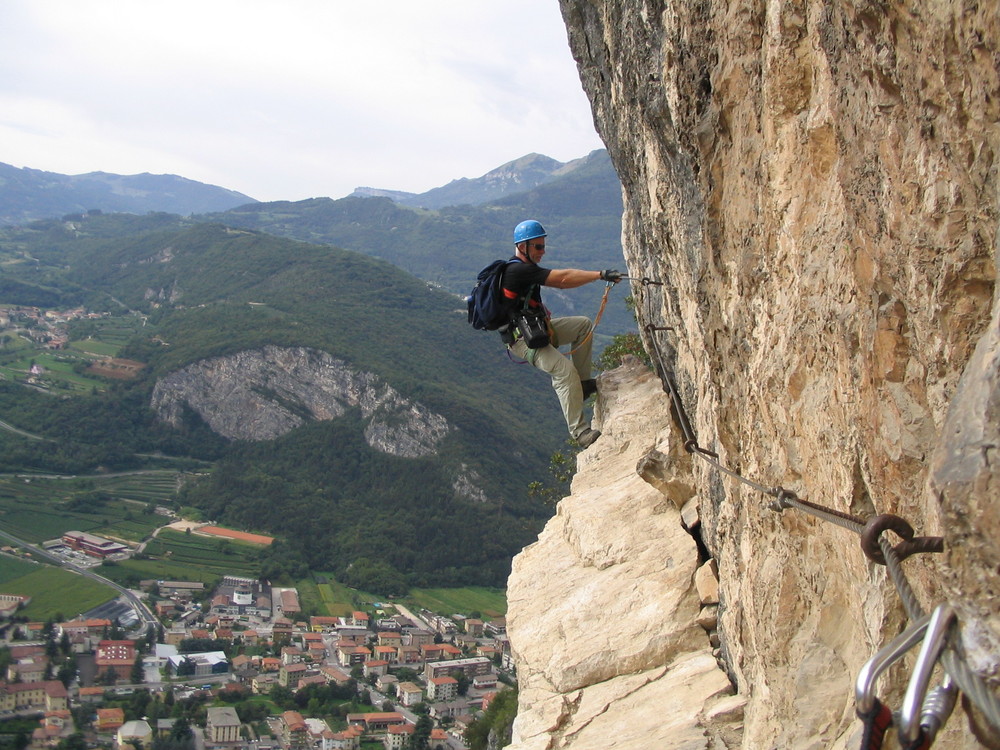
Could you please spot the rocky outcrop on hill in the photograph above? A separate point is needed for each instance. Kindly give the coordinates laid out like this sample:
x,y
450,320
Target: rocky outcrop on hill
x,y
811,189
262,394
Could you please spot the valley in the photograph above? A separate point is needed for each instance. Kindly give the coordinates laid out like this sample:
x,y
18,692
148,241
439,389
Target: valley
x,y
283,398
137,507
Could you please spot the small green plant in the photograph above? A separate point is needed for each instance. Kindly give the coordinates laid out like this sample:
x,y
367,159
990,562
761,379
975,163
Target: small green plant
x,y
622,345
562,467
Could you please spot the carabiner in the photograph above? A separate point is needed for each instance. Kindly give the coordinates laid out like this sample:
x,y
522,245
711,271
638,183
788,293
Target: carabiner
x,y
864,686
924,713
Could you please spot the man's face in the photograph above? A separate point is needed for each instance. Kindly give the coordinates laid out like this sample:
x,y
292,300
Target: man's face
x,y
534,249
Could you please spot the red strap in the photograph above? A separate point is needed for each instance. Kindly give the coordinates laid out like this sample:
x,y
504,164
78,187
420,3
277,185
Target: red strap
x,y
876,721
922,742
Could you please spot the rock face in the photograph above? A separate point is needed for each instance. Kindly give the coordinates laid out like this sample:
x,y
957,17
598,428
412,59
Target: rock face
x,y
811,188
603,610
260,395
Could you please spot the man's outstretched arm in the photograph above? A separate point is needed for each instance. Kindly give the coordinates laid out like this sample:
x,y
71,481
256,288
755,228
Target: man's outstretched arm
x,y
570,278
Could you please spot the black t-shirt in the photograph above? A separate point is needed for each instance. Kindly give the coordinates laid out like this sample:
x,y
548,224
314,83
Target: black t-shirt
x,y
521,279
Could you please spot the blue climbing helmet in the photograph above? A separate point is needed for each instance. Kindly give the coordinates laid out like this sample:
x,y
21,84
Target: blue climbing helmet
x,y
528,230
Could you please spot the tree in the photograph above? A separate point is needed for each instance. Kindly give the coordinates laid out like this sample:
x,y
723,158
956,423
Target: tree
x,y
138,704
622,345
67,671
562,466
181,729
186,667
138,675
282,697
493,729
155,710
420,739
463,681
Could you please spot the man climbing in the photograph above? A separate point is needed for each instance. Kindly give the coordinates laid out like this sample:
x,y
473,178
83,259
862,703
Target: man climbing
x,y
522,282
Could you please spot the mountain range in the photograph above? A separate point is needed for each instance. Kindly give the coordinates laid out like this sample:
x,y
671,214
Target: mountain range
x,y
27,194
514,177
444,236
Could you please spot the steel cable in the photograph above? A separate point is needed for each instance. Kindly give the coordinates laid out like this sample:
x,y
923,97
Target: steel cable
x,y
968,681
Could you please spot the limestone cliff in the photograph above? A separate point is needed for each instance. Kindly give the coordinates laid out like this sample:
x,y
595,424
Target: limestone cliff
x,y
812,189
262,394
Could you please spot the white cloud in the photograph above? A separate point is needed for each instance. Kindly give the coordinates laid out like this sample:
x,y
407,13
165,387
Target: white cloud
x,y
292,99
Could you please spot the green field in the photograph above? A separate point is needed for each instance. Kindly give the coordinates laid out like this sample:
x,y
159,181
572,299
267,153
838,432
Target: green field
x,y
105,336
57,371
53,591
92,339
335,598
12,568
154,485
488,602
94,347
37,509
195,558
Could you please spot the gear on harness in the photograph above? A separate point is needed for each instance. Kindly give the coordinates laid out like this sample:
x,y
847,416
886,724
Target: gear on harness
x,y
510,336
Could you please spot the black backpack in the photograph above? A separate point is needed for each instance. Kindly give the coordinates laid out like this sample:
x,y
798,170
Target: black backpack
x,y
488,309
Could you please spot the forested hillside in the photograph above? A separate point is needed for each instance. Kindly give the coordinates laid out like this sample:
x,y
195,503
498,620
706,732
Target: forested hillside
x,y
207,290
581,211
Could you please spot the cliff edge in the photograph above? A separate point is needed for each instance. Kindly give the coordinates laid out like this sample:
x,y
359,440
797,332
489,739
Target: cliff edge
x,y
810,196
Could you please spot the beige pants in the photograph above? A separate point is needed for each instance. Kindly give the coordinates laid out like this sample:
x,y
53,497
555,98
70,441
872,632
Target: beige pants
x,y
566,374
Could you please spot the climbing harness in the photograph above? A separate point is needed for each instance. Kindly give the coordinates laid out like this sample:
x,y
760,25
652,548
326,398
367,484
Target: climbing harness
x,y
923,711
590,334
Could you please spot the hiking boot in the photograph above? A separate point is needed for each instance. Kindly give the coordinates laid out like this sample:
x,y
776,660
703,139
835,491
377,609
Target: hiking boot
x,y
588,437
589,387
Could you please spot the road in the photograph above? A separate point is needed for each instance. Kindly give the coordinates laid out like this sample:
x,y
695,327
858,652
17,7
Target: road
x,y
22,433
412,617
145,616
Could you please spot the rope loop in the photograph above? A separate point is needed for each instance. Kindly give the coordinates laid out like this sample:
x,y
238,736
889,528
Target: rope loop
x,y
910,545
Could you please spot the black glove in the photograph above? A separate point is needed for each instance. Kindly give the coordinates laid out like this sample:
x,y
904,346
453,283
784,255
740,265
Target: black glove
x,y
611,275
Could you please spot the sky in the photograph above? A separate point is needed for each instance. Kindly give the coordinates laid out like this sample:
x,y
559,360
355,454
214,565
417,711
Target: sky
x,y
289,99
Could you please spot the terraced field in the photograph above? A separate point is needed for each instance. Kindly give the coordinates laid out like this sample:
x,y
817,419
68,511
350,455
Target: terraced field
x,y
195,558
37,508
